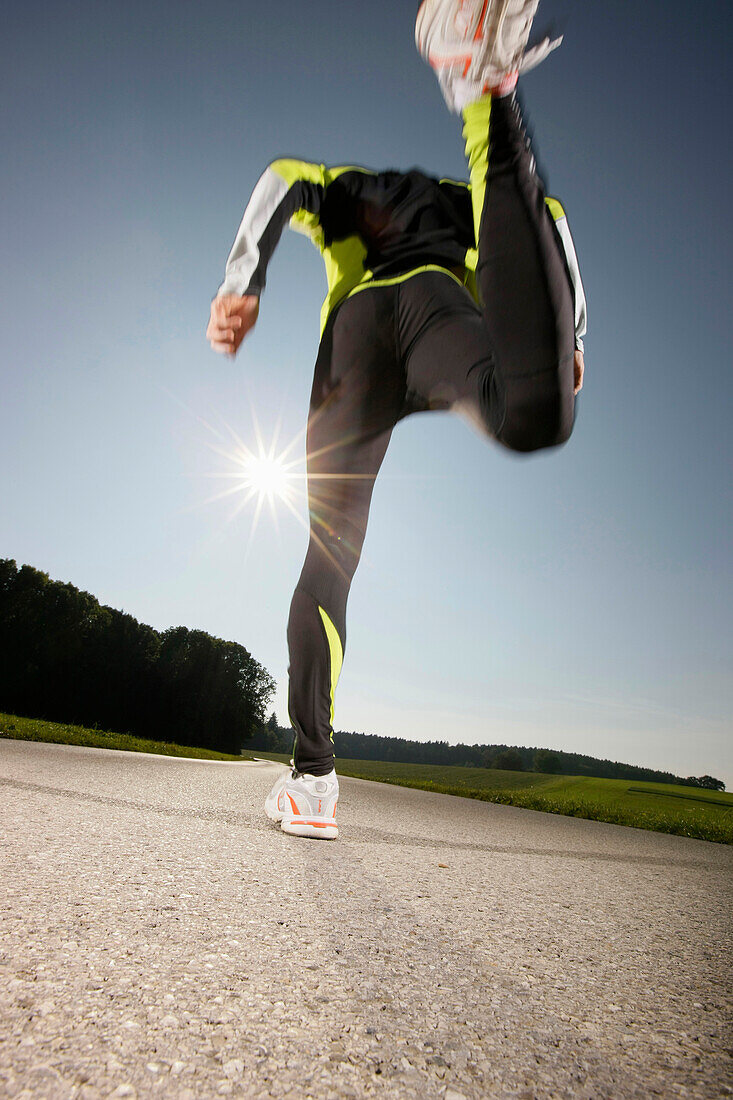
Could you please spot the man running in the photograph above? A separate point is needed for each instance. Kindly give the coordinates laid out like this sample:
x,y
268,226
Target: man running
x,y
441,295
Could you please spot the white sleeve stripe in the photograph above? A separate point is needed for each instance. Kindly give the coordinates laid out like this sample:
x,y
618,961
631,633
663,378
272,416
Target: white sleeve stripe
x,y
244,257
572,261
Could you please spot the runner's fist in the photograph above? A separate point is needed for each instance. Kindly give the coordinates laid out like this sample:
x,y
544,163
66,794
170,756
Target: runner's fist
x,y
579,371
232,316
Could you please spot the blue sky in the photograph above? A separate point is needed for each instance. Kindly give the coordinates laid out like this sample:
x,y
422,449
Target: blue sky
x,y
579,599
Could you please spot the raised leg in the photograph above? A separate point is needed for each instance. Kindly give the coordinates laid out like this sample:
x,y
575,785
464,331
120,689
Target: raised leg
x,y
522,281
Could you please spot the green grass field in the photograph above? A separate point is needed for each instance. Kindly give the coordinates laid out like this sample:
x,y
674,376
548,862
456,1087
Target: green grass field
x,y
37,729
663,807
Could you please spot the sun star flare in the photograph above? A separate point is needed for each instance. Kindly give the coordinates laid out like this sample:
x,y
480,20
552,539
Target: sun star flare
x,y
268,476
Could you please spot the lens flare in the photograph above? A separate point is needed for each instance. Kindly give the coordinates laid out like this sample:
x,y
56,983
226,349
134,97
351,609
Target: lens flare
x,y
261,473
268,476
268,473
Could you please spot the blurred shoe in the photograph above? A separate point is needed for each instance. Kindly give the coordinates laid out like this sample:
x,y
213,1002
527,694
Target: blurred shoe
x,y
476,46
304,804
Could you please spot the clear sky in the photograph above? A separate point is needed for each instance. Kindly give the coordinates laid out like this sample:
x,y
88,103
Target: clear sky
x,y
579,599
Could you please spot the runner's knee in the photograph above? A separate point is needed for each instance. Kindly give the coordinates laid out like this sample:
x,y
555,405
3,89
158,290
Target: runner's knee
x,y
538,412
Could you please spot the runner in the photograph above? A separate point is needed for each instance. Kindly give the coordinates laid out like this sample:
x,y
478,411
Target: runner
x,y
441,295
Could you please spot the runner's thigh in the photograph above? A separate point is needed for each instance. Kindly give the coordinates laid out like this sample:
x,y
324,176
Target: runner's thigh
x,y
358,396
446,348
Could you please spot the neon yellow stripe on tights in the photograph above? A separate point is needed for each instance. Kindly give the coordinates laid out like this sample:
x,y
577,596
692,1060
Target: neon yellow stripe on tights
x,y
336,654
555,208
476,117
401,278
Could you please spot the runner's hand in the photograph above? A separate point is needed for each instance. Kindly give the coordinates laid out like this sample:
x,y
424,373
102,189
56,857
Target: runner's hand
x,y
579,367
232,317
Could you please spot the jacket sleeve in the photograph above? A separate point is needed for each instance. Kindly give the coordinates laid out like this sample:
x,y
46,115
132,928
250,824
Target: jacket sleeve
x,y
561,225
289,191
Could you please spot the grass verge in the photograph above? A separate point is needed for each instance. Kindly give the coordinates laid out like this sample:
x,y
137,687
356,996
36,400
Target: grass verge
x,y
660,807
37,729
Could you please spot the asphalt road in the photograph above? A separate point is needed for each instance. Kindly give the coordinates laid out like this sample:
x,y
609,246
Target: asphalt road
x,y
160,937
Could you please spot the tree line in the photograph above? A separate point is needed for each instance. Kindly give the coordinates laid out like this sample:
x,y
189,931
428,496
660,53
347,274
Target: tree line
x,y
66,658
364,746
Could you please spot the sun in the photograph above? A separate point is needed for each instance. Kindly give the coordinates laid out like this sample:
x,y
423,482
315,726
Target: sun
x,y
266,473
268,476
261,473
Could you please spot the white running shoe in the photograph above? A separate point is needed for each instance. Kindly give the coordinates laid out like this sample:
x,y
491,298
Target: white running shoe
x,y
478,45
304,804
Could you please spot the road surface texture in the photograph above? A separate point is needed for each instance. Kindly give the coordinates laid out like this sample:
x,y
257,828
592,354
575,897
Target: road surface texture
x,y
162,938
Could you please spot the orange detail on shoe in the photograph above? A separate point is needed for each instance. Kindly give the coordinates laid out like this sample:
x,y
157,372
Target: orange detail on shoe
x,y
309,821
480,27
450,59
293,803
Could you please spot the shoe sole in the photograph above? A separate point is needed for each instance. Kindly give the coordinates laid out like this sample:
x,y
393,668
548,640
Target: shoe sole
x,y
318,829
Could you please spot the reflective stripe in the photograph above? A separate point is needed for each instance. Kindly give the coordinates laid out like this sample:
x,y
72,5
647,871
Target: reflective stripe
x,y
244,257
476,117
405,275
581,317
295,171
345,262
555,208
295,728
291,171
336,655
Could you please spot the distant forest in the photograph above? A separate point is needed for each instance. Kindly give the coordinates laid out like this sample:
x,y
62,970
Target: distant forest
x,y
66,658
363,746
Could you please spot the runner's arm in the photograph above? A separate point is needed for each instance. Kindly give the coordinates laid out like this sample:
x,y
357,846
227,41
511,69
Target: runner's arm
x,y
288,190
